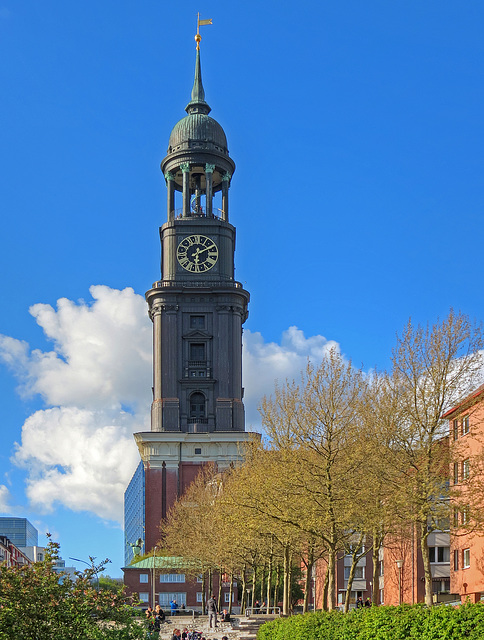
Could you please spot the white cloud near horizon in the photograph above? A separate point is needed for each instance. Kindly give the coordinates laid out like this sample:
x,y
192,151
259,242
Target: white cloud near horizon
x,y
4,499
96,384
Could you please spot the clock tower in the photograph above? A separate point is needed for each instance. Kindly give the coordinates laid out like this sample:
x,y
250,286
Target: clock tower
x,y
197,309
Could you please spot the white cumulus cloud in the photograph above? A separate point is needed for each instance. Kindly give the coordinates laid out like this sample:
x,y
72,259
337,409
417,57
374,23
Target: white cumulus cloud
x,y
79,450
264,363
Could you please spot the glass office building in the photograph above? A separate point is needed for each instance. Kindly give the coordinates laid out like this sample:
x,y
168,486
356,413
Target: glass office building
x,y
134,512
19,531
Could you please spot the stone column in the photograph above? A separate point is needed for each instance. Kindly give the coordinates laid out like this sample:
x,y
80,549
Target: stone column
x,y
157,405
170,185
185,167
225,197
209,169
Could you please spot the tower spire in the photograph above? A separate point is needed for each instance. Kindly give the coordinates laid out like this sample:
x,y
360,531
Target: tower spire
x,y
197,104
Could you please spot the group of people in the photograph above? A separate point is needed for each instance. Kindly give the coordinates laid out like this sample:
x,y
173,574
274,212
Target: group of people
x,y
190,635
259,608
154,620
360,604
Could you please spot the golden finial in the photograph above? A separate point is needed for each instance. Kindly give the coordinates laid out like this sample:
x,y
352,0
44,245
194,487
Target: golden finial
x,y
200,23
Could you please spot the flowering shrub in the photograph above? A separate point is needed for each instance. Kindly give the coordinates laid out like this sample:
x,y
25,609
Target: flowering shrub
x,y
36,603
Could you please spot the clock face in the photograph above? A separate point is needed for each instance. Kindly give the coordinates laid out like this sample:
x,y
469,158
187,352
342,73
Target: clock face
x,y
197,253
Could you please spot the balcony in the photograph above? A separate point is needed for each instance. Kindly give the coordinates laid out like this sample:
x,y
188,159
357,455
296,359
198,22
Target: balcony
x,y
190,284
198,213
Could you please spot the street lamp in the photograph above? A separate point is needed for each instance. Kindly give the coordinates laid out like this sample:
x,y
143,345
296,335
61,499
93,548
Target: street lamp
x,y
153,577
89,564
400,586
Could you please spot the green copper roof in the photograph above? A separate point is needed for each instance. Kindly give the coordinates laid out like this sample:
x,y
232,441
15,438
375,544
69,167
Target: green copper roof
x,y
198,127
161,562
197,103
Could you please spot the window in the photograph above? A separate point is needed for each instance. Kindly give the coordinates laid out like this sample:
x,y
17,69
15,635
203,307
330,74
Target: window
x,y
455,426
443,554
456,559
359,573
439,554
456,517
166,598
197,405
465,425
144,597
199,596
456,473
198,452
143,578
465,469
382,567
466,558
199,578
227,597
197,322
197,352
465,515
172,577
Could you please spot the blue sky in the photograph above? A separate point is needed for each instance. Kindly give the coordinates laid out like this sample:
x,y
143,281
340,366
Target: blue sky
x,y
358,135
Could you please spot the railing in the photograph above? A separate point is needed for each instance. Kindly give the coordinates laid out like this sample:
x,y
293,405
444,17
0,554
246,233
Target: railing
x,y
251,611
197,420
232,284
199,213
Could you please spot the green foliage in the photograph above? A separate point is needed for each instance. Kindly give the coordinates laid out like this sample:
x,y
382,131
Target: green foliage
x,y
406,622
36,603
112,584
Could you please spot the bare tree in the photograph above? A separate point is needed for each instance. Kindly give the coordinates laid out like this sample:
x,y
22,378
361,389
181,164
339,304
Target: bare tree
x,y
434,368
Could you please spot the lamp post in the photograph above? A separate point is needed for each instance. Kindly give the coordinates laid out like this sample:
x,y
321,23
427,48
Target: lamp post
x,y
248,599
89,564
400,585
153,579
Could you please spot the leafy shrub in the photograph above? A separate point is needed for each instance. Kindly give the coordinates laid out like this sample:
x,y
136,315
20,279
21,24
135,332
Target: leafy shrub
x,y
405,622
36,603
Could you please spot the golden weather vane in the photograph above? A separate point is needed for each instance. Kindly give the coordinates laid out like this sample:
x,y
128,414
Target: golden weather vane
x,y
200,23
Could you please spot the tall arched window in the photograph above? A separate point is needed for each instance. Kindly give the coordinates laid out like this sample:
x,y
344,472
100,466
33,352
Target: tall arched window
x,y
197,406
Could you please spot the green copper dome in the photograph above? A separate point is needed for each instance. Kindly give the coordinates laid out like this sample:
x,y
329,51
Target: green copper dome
x,y
197,128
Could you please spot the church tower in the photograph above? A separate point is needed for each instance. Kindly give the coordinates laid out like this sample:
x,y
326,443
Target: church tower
x,y
197,309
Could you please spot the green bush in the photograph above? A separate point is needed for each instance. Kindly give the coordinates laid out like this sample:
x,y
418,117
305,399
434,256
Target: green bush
x,y
382,623
36,603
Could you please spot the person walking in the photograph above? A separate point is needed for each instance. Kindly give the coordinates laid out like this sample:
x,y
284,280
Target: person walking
x,y
212,612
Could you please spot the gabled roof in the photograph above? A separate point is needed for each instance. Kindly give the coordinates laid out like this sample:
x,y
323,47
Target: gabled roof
x,y
468,401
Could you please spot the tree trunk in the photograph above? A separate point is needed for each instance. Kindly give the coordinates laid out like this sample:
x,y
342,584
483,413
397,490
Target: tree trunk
x,y
285,597
307,582
325,589
243,602
269,580
331,578
219,598
377,542
204,596
276,586
254,576
231,593
262,582
426,564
